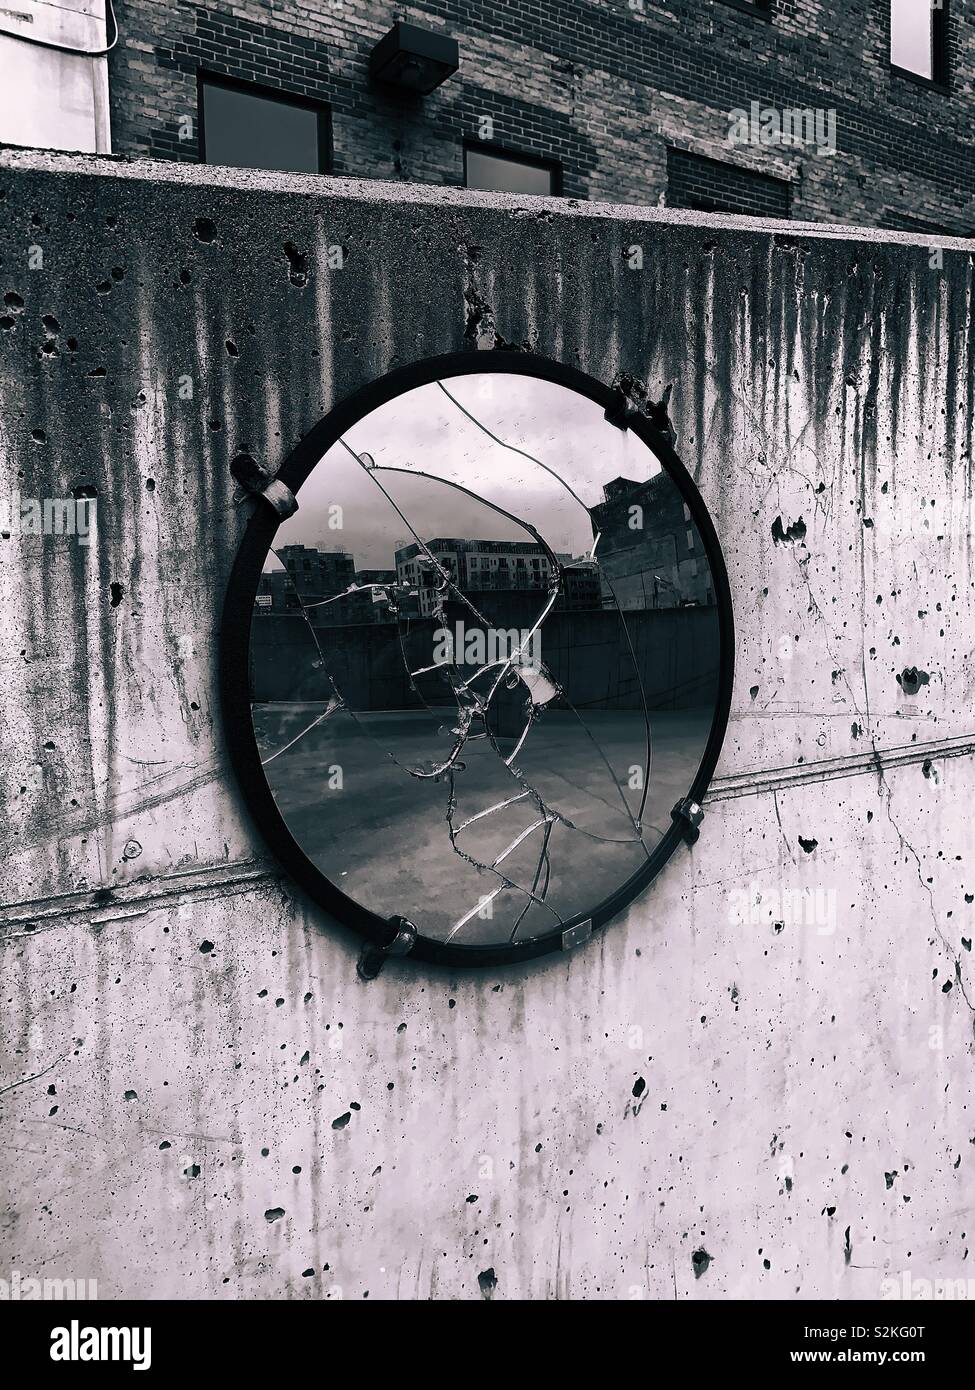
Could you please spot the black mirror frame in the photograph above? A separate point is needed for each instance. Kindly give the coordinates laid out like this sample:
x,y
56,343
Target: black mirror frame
x,y
238,612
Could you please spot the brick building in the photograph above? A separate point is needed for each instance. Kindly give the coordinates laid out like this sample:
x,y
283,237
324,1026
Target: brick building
x,y
480,567
309,575
688,102
473,565
650,553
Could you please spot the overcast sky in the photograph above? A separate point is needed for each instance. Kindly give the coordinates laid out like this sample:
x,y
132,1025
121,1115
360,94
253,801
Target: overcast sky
x,y
423,430
910,35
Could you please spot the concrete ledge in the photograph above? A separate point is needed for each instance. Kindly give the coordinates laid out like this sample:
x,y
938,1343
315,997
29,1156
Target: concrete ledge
x,y
375,191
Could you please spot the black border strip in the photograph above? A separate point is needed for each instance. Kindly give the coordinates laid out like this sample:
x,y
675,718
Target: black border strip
x,y
235,648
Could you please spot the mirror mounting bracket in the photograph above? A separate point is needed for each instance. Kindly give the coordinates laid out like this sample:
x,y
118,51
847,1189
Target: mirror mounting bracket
x,y
249,474
690,815
621,412
373,956
575,936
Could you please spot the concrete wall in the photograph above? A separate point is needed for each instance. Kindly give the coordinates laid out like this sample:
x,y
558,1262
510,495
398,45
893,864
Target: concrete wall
x,y
676,667
805,1115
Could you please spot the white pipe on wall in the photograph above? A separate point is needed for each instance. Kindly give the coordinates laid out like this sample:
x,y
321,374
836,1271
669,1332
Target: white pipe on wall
x,y
55,90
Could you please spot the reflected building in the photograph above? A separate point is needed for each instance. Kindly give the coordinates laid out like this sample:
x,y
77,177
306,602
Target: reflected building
x,y
315,576
478,565
581,585
472,565
650,557
373,603
309,575
650,554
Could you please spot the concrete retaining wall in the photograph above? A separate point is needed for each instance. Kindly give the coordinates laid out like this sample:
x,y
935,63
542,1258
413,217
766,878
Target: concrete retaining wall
x,y
676,659
181,1030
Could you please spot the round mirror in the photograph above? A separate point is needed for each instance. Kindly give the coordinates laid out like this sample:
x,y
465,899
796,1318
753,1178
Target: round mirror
x,y
483,662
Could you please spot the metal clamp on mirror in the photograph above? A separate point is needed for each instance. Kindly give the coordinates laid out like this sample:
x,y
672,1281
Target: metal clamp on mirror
x,y
373,957
689,815
248,472
575,936
622,412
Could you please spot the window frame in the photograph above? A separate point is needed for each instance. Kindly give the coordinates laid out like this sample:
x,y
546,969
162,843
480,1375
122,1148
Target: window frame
x,y
534,161
940,79
322,109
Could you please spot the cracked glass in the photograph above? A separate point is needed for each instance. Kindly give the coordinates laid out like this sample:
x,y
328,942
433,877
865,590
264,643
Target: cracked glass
x,y
484,659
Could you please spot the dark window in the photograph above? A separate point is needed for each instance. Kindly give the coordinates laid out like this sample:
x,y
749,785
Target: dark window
x,y
757,7
918,38
893,221
252,127
503,171
709,185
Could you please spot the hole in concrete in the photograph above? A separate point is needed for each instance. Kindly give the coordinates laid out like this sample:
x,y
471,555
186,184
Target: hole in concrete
x,y
297,264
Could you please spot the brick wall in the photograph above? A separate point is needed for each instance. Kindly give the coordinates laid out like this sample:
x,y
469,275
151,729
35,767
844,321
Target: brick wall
x,y
712,185
603,86
221,43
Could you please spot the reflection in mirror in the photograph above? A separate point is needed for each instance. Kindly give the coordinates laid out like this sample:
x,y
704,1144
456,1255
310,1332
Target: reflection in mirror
x,y
484,659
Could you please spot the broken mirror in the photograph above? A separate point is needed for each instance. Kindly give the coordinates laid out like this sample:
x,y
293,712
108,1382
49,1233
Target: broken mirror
x,y
485,659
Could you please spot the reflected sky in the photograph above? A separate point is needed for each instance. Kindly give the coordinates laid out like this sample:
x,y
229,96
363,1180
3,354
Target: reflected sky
x,y
424,431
